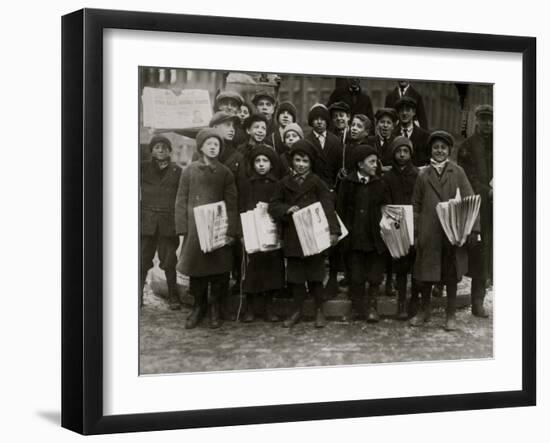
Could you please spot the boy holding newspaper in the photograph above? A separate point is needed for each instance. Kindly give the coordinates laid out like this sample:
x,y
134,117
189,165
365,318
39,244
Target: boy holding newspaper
x,y
206,193
293,193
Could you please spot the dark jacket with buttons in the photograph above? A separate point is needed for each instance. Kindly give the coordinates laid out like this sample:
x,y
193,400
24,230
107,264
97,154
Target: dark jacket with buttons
x,y
400,184
158,197
289,193
360,207
328,159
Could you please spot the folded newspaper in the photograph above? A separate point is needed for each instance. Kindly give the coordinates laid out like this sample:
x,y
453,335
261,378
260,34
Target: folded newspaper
x,y
211,221
457,216
260,232
397,229
313,230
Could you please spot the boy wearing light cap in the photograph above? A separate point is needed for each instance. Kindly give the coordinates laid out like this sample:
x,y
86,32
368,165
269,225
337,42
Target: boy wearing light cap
x,y
159,181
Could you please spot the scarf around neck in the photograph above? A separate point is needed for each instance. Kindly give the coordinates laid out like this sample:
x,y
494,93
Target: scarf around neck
x,y
438,166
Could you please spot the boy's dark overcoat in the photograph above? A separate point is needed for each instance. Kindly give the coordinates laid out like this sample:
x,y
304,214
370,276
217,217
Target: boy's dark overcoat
x,y
385,153
400,184
202,184
289,193
328,160
429,190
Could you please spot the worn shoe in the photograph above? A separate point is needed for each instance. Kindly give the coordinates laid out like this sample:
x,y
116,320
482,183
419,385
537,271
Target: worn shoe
x,y
194,318
450,322
320,321
293,319
214,320
477,308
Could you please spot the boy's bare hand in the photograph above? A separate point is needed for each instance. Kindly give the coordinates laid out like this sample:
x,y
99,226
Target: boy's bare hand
x,y
293,209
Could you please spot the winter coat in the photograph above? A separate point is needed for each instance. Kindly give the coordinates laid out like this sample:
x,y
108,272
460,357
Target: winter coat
x,y
289,193
419,138
400,184
158,197
202,184
429,190
231,158
384,151
394,96
348,150
277,141
360,207
328,160
359,102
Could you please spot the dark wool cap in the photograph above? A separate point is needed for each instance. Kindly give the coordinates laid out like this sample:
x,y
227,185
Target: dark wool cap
x,y
484,109
405,101
390,112
339,106
303,147
266,150
401,141
160,139
361,152
318,110
205,134
221,116
441,135
263,94
231,95
287,106
255,117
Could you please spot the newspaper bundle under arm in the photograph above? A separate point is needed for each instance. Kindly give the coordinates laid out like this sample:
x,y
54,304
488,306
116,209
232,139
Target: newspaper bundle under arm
x,y
260,231
457,216
211,222
397,229
312,228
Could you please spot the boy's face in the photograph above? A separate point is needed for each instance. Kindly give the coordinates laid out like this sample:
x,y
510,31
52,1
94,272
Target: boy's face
x,y
291,137
368,165
160,151
227,129
301,163
340,119
257,131
285,118
357,129
211,147
262,165
485,124
229,105
266,107
319,125
244,113
385,126
402,155
406,114
440,150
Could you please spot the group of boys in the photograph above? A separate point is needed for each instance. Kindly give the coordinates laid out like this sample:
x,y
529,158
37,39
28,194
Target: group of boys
x,y
347,147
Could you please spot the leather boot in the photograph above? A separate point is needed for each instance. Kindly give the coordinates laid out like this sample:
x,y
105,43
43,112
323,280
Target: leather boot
x,y
424,312
357,296
249,309
477,297
269,308
197,313
214,311
173,298
372,305
299,292
320,321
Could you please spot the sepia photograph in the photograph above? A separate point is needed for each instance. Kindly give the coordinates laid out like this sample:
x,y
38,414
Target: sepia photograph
x,y
290,220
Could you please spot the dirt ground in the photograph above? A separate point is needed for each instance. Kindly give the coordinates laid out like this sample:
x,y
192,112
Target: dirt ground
x,y
167,347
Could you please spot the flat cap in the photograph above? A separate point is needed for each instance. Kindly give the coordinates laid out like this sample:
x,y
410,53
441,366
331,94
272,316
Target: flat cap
x,y
361,152
263,94
405,101
483,109
339,106
441,135
221,116
229,95
390,112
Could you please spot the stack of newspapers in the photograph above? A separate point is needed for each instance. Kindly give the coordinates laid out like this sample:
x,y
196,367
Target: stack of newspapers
x,y
397,229
211,221
260,232
457,216
313,230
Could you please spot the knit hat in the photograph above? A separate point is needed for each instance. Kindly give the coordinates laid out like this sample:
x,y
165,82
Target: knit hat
x,y
366,121
318,110
286,106
263,149
293,127
361,152
303,147
441,135
484,109
255,117
339,106
230,95
221,116
160,139
205,134
405,101
401,141
390,112
262,94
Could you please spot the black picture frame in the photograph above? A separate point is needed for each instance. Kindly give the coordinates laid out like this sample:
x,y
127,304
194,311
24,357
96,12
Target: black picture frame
x,y
82,218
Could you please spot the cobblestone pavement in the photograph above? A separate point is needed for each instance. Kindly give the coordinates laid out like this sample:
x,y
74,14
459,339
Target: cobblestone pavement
x,y
167,347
